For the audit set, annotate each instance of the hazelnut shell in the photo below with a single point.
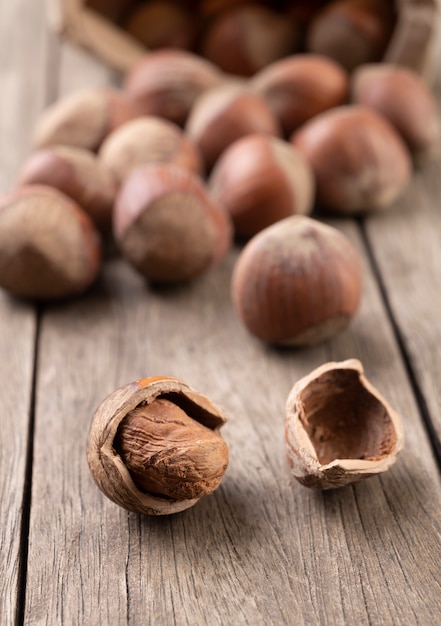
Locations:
(107, 467)
(339, 428)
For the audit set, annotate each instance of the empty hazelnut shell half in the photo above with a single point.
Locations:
(154, 446)
(339, 428)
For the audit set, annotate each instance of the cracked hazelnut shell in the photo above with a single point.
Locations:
(297, 282)
(154, 446)
(339, 428)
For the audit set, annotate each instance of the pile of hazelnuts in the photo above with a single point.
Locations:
(187, 157)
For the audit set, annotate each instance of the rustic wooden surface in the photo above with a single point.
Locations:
(262, 549)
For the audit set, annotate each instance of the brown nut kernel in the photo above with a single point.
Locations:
(360, 162)
(224, 114)
(297, 282)
(148, 140)
(78, 174)
(352, 32)
(83, 118)
(244, 39)
(166, 83)
(401, 96)
(154, 446)
(161, 24)
(339, 428)
(300, 87)
(167, 226)
(260, 180)
(49, 247)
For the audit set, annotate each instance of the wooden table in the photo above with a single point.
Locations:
(262, 549)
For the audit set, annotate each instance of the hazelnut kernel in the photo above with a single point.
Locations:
(154, 446)
(297, 282)
(360, 162)
(224, 114)
(167, 226)
(260, 180)
(78, 174)
(300, 87)
(166, 83)
(49, 247)
(83, 118)
(148, 140)
(339, 428)
(400, 95)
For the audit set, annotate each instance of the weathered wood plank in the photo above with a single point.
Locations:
(262, 549)
(22, 38)
(406, 244)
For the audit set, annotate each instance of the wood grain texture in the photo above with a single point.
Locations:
(23, 93)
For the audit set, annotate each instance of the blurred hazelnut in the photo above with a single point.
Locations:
(300, 87)
(83, 118)
(260, 180)
(166, 83)
(297, 282)
(244, 39)
(360, 162)
(352, 32)
(78, 174)
(162, 24)
(167, 226)
(49, 247)
(401, 96)
(148, 140)
(224, 114)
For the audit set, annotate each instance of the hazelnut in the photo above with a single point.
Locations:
(166, 83)
(167, 226)
(161, 24)
(352, 32)
(148, 140)
(83, 118)
(339, 428)
(260, 180)
(154, 446)
(244, 39)
(224, 114)
(297, 282)
(78, 174)
(49, 247)
(300, 87)
(360, 162)
(401, 96)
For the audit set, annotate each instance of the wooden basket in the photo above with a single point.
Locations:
(415, 42)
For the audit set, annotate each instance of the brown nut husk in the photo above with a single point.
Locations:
(339, 428)
(184, 455)
(49, 247)
(83, 118)
(78, 174)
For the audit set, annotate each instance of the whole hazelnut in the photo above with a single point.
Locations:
(49, 247)
(224, 114)
(154, 446)
(401, 96)
(360, 162)
(161, 24)
(339, 428)
(83, 118)
(244, 39)
(166, 83)
(167, 226)
(260, 180)
(148, 140)
(300, 87)
(298, 282)
(352, 32)
(78, 174)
